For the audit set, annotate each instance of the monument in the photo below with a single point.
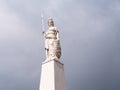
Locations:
(52, 71)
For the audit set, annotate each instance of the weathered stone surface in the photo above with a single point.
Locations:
(52, 42)
(52, 76)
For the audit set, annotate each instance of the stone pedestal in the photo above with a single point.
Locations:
(52, 76)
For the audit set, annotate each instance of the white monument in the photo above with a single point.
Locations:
(52, 72)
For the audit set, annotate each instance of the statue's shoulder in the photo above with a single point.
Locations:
(53, 29)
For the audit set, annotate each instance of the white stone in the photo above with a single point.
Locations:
(52, 76)
(52, 42)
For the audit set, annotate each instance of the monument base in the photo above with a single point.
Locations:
(52, 76)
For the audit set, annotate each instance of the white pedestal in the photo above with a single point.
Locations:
(52, 76)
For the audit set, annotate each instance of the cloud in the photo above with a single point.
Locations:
(90, 39)
(17, 44)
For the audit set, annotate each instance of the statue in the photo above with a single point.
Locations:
(52, 42)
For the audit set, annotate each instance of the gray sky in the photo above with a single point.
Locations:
(90, 40)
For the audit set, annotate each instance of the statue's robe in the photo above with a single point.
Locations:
(52, 43)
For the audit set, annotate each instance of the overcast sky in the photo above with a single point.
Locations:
(90, 40)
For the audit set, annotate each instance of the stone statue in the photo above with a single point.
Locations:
(52, 42)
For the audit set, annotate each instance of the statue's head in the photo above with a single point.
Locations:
(50, 22)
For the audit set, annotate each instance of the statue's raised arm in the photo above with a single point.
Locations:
(52, 42)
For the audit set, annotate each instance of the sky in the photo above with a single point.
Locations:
(89, 35)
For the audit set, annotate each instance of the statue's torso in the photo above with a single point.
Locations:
(53, 43)
(51, 33)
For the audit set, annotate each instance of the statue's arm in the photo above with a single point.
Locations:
(44, 33)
